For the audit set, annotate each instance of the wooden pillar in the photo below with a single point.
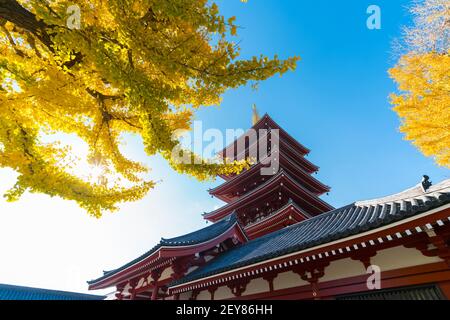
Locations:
(212, 292)
(156, 274)
(133, 284)
(269, 278)
(155, 291)
(194, 295)
(315, 289)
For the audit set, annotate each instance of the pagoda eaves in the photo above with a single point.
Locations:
(281, 180)
(226, 190)
(288, 215)
(266, 123)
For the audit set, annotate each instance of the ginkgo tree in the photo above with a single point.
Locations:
(423, 77)
(133, 66)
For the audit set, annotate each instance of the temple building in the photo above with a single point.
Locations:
(275, 238)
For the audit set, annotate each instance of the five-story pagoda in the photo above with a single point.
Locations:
(278, 190)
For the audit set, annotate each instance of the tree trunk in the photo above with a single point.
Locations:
(12, 11)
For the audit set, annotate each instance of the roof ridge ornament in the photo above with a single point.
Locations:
(426, 183)
(255, 116)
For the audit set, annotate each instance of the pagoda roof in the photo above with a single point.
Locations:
(289, 212)
(267, 118)
(260, 125)
(11, 292)
(285, 148)
(335, 225)
(274, 181)
(229, 184)
(178, 246)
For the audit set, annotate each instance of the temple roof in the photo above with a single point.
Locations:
(188, 240)
(10, 292)
(334, 225)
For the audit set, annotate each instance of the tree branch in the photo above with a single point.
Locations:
(13, 12)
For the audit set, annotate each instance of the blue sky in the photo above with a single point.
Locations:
(335, 103)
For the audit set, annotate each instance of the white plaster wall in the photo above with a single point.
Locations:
(256, 286)
(288, 280)
(401, 257)
(343, 268)
(186, 295)
(166, 274)
(204, 295)
(223, 293)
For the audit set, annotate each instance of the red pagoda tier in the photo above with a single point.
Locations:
(266, 203)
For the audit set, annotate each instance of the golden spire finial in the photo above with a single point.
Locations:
(255, 116)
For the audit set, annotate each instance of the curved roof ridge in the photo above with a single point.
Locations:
(413, 192)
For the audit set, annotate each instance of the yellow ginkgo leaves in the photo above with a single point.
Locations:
(423, 78)
(133, 66)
